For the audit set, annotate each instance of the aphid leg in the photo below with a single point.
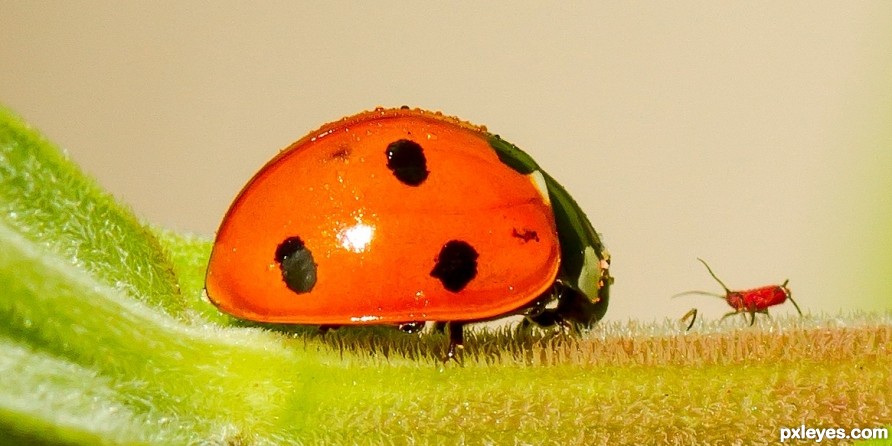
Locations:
(753, 312)
(790, 296)
(456, 342)
(732, 313)
(690, 314)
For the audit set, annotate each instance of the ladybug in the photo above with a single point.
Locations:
(401, 216)
(756, 300)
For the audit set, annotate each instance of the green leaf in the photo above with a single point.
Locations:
(48, 200)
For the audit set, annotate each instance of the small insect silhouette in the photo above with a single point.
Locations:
(756, 300)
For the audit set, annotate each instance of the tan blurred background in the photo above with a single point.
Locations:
(757, 135)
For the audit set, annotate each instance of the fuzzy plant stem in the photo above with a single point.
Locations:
(105, 338)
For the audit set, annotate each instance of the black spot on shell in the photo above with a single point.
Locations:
(456, 265)
(406, 160)
(297, 265)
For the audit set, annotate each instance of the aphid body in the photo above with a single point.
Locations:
(752, 301)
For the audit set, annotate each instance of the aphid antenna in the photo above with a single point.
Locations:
(713, 275)
(701, 293)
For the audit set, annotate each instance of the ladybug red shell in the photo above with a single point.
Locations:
(403, 215)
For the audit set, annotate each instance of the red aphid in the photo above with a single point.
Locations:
(756, 300)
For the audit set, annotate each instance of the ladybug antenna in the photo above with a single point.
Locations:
(790, 296)
(713, 275)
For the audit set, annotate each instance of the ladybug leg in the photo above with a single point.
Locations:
(575, 309)
(456, 342)
(568, 327)
(411, 327)
(538, 312)
(440, 327)
(524, 328)
(324, 329)
(540, 305)
(546, 319)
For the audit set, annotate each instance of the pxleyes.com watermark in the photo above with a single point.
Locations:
(818, 435)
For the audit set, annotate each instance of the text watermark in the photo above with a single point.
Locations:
(820, 434)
